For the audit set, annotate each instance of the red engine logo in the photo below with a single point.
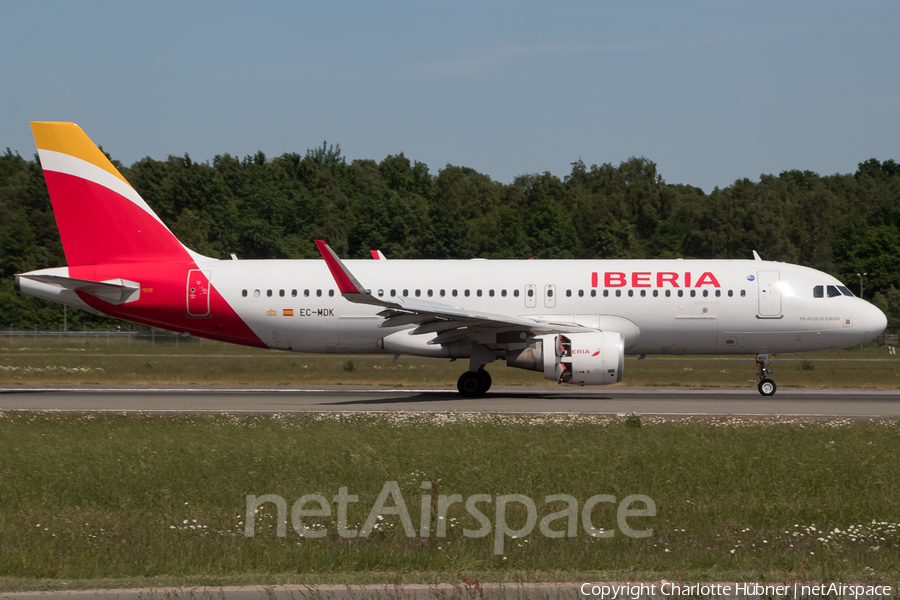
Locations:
(585, 351)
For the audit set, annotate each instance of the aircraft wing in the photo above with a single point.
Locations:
(451, 323)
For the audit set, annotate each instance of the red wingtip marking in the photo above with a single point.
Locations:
(374, 254)
(345, 285)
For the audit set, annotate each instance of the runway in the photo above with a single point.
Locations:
(649, 401)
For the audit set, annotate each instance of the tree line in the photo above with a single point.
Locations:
(257, 207)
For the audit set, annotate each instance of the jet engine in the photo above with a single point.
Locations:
(596, 358)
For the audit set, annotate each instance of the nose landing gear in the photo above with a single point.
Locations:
(766, 386)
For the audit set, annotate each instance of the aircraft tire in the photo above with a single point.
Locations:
(470, 385)
(485, 379)
(767, 387)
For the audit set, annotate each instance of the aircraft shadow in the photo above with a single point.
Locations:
(428, 397)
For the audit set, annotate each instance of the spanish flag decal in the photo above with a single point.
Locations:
(287, 312)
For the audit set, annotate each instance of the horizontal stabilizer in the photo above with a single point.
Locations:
(114, 291)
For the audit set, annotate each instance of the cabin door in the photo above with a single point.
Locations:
(198, 293)
(769, 293)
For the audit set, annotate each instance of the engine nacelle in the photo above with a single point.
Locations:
(584, 358)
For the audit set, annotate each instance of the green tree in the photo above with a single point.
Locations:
(878, 255)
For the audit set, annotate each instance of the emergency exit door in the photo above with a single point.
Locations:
(530, 296)
(198, 293)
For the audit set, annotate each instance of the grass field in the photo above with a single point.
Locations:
(112, 359)
(104, 500)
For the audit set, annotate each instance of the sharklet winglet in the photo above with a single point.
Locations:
(349, 286)
(345, 280)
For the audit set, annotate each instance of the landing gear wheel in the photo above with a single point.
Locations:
(470, 385)
(767, 387)
(486, 381)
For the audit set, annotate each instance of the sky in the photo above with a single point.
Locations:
(709, 91)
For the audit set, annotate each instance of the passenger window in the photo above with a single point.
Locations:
(668, 293)
(819, 291)
(281, 293)
(256, 293)
(430, 293)
(306, 293)
(693, 293)
(705, 293)
(581, 293)
(405, 293)
(516, 293)
(743, 293)
(593, 293)
(530, 293)
(269, 293)
(319, 293)
(618, 293)
(680, 293)
(833, 291)
(605, 293)
(718, 293)
(244, 293)
(293, 293)
(655, 293)
(630, 293)
(643, 293)
(418, 293)
(568, 293)
(393, 293)
(455, 293)
(443, 293)
(491, 293)
(331, 293)
(730, 293)
(549, 293)
(478, 293)
(503, 293)
(466, 293)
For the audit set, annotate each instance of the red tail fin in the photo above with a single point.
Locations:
(101, 218)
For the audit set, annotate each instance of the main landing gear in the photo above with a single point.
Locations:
(476, 381)
(766, 386)
(472, 384)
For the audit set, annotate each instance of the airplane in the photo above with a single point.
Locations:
(572, 320)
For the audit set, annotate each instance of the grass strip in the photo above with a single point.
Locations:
(102, 358)
(89, 497)
(283, 369)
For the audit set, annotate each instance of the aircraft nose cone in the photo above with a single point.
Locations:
(876, 322)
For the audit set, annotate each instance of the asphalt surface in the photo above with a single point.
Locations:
(662, 401)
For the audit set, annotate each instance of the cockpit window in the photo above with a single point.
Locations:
(819, 291)
(833, 291)
(845, 291)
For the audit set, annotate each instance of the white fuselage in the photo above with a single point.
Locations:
(660, 306)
